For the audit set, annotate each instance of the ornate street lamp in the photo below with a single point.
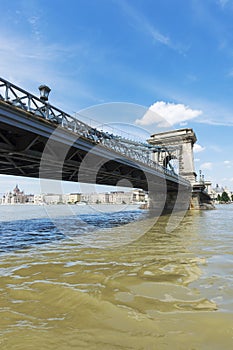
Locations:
(44, 92)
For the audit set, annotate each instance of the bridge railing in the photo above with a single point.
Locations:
(20, 98)
(139, 151)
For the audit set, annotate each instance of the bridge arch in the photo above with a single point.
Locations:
(176, 144)
(171, 162)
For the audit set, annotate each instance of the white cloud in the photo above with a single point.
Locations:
(222, 3)
(141, 23)
(168, 113)
(230, 73)
(197, 160)
(227, 163)
(215, 148)
(35, 25)
(206, 166)
(29, 66)
(198, 148)
(192, 78)
(29, 60)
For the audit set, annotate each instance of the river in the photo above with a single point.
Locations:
(114, 279)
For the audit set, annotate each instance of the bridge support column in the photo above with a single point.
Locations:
(197, 199)
(170, 202)
(200, 199)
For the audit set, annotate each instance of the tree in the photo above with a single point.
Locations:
(219, 198)
(225, 198)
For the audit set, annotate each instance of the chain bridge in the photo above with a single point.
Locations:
(41, 141)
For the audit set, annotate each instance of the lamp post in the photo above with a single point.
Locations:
(44, 92)
(200, 175)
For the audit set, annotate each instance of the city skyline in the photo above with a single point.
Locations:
(18, 196)
(137, 52)
(116, 196)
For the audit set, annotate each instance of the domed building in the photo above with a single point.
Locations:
(218, 191)
(14, 197)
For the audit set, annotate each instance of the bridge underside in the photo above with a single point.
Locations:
(21, 155)
(33, 147)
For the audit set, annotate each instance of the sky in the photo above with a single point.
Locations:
(172, 57)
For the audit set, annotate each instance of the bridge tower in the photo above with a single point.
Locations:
(176, 145)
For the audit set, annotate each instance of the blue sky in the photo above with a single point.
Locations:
(170, 56)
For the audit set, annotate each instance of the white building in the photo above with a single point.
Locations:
(38, 199)
(74, 198)
(115, 197)
(51, 198)
(29, 198)
(14, 197)
(94, 198)
(218, 191)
